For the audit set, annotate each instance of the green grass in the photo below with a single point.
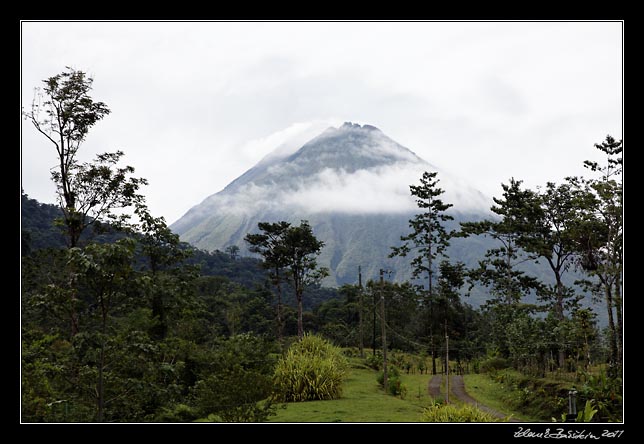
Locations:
(417, 385)
(492, 394)
(363, 400)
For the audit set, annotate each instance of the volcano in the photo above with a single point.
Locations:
(352, 184)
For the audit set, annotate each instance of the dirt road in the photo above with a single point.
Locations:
(434, 386)
(457, 389)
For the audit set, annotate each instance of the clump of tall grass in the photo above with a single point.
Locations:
(453, 413)
(311, 369)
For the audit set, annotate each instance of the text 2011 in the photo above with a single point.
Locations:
(612, 433)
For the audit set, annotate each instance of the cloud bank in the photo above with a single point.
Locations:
(381, 190)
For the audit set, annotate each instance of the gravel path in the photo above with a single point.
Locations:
(457, 388)
(434, 386)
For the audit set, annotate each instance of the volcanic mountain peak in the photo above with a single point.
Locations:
(366, 143)
(348, 149)
(351, 182)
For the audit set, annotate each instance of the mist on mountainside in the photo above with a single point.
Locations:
(352, 184)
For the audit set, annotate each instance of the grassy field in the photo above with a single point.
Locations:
(492, 394)
(362, 401)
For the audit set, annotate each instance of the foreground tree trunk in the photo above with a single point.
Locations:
(612, 336)
(559, 313)
(280, 322)
(617, 301)
(300, 324)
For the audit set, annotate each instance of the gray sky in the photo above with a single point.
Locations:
(194, 105)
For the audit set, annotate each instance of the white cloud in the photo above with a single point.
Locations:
(380, 190)
(284, 142)
(194, 105)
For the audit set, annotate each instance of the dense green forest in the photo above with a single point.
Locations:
(122, 322)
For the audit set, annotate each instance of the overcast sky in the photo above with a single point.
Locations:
(194, 105)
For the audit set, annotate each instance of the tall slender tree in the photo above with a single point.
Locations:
(64, 112)
(301, 248)
(270, 244)
(543, 224)
(289, 252)
(554, 241)
(499, 271)
(599, 237)
(428, 240)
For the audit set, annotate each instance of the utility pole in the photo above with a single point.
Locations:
(373, 336)
(429, 287)
(360, 343)
(447, 363)
(384, 330)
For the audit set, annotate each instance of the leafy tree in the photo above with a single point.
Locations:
(270, 244)
(64, 112)
(301, 248)
(402, 313)
(448, 307)
(227, 308)
(337, 319)
(162, 249)
(428, 238)
(528, 339)
(543, 225)
(599, 237)
(293, 249)
(451, 279)
(105, 273)
(583, 334)
(553, 240)
(233, 251)
(236, 382)
(45, 295)
(499, 271)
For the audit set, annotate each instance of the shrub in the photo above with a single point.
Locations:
(233, 387)
(421, 363)
(585, 415)
(177, 413)
(392, 372)
(351, 352)
(311, 369)
(476, 366)
(493, 363)
(452, 413)
(374, 360)
(397, 388)
(397, 358)
(394, 385)
(607, 393)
